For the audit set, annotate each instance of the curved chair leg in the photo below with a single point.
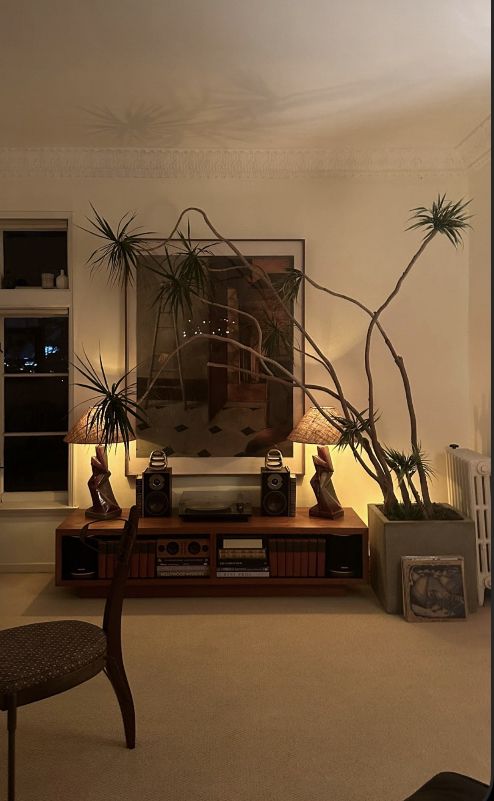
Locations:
(116, 673)
(11, 726)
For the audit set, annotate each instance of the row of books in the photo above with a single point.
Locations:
(293, 557)
(242, 558)
(182, 567)
(142, 561)
(237, 558)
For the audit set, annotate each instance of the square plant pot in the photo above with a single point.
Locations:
(389, 540)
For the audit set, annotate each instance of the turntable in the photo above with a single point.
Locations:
(214, 506)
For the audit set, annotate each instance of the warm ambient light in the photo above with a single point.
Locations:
(105, 505)
(314, 429)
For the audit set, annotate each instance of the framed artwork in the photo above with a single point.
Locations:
(212, 406)
(433, 588)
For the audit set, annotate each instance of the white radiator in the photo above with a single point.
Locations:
(468, 477)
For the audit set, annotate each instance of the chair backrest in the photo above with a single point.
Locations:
(112, 615)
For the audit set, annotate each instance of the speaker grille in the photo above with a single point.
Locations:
(156, 504)
(275, 503)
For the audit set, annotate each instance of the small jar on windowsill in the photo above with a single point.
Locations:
(61, 280)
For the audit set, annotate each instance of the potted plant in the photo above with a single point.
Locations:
(405, 520)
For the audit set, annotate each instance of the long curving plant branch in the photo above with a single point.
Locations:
(184, 278)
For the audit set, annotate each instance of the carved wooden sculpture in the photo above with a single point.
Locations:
(104, 505)
(321, 482)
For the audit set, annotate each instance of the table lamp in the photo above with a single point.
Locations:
(105, 506)
(314, 429)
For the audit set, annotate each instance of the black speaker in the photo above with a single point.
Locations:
(157, 492)
(275, 492)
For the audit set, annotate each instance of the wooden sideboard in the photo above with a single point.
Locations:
(341, 543)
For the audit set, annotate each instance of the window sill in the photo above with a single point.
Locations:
(36, 507)
(27, 296)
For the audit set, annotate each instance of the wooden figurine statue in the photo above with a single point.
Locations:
(327, 502)
(104, 505)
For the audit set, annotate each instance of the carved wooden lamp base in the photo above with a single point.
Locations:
(327, 502)
(105, 506)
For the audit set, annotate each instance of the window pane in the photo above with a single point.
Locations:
(27, 254)
(36, 344)
(36, 404)
(35, 464)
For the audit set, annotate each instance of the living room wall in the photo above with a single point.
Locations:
(479, 307)
(354, 227)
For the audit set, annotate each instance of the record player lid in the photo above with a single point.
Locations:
(206, 501)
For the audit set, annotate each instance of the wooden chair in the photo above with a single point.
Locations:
(42, 659)
(450, 786)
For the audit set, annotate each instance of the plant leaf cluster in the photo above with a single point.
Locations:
(122, 247)
(111, 415)
(184, 275)
(445, 217)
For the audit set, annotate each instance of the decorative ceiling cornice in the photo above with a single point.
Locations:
(475, 149)
(198, 163)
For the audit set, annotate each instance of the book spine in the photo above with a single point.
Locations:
(281, 557)
(245, 542)
(151, 559)
(289, 558)
(311, 547)
(242, 553)
(297, 558)
(245, 563)
(241, 569)
(244, 574)
(182, 573)
(304, 558)
(273, 556)
(183, 562)
(321, 557)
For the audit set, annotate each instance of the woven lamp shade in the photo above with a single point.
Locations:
(314, 429)
(80, 434)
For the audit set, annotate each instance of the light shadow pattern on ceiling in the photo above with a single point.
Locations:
(227, 117)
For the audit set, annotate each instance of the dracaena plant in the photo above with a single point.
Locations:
(184, 279)
(113, 409)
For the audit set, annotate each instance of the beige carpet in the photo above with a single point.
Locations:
(265, 699)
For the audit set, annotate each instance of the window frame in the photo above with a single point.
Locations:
(36, 302)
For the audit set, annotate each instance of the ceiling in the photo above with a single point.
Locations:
(243, 74)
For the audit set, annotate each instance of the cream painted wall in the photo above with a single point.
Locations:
(355, 243)
(479, 307)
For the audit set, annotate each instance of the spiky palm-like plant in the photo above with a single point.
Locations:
(113, 409)
(358, 430)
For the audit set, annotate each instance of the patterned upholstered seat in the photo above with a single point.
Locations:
(40, 652)
(39, 660)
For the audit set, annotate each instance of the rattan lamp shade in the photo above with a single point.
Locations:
(314, 429)
(81, 434)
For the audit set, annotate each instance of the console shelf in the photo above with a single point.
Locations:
(341, 541)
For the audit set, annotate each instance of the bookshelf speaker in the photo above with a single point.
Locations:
(157, 492)
(276, 491)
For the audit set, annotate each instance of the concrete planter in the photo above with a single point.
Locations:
(389, 540)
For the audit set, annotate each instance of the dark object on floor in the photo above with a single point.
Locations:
(450, 787)
(43, 659)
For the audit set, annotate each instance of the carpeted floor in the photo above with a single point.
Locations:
(257, 699)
